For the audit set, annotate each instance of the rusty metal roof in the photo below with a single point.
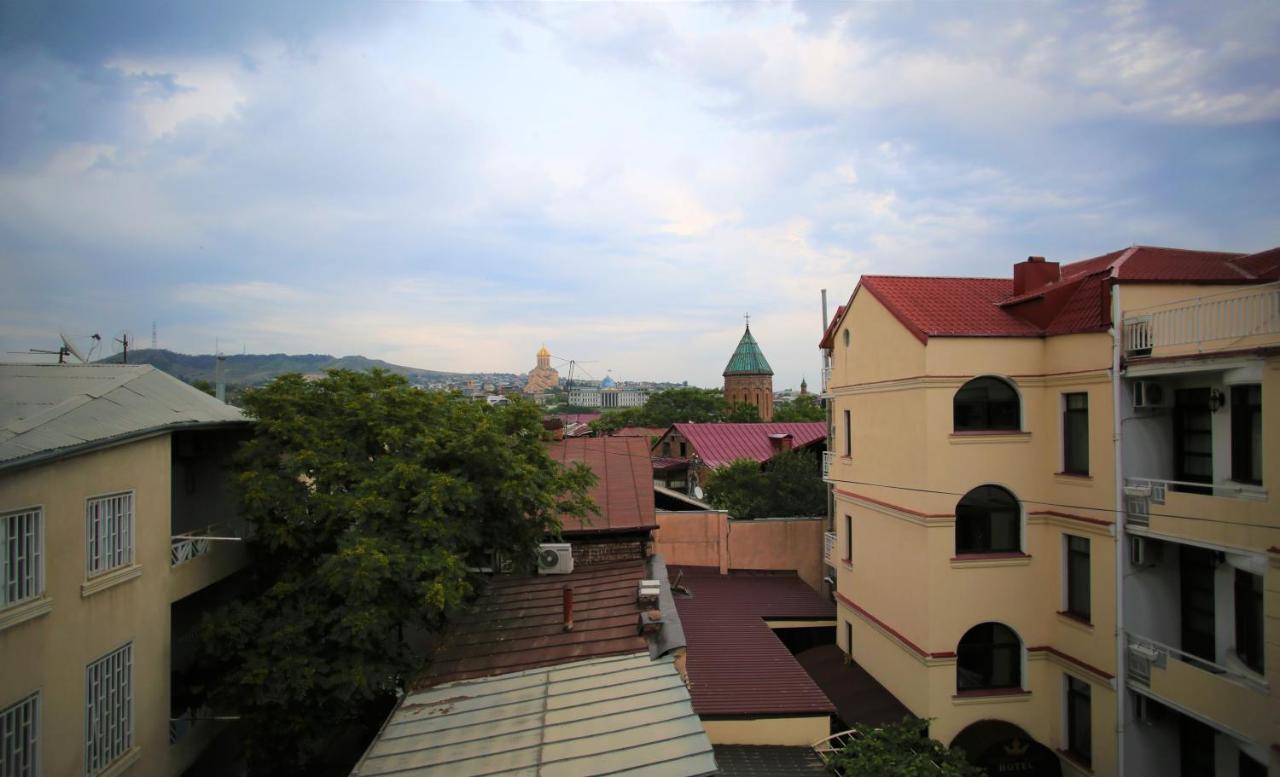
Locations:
(717, 444)
(624, 483)
(619, 715)
(518, 623)
(737, 666)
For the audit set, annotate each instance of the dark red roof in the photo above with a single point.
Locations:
(518, 623)
(828, 337)
(719, 444)
(737, 666)
(578, 418)
(624, 483)
(644, 432)
(1077, 302)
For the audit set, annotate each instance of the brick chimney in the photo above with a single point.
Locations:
(1033, 274)
(780, 442)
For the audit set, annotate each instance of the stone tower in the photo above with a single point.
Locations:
(748, 377)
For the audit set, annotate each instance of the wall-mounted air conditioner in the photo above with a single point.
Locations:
(1149, 394)
(554, 558)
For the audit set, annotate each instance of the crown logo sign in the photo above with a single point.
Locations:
(1016, 748)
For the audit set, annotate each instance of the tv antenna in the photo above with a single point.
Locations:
(124, 341)
(575, 364)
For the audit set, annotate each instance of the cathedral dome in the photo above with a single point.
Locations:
(608, 382)
(543, 351)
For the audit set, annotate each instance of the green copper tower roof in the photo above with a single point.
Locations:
(747, 358)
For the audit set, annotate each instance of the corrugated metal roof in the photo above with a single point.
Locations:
(747, 358)
(518, 623)
(718, 444)
(624, 483)
(768, 761)
(621, 715)
(737, 666)
(48, 409)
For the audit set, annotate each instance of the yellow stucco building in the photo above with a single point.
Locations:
(1003, 451)
(112, 486)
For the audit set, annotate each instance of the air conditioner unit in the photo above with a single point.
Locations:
(1148, 394)
(1145, 652)
(1144, 553)
(554, 558)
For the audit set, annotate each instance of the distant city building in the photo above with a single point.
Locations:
(748, 378)
(544, 377)
(608, 395)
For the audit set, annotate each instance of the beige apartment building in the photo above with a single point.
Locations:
(113, 503)
(1004, 450)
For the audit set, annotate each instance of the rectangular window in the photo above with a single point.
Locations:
(19, 738)
(1246, 434)
(108, 709)
(684, 450)
(1079, 720)
(1075, 433)
(848, 434)
(109, 530)
(21, 556)
(848, 638)
(1249, 620)
(1077, 576)
(1193, 439)
(848, 538)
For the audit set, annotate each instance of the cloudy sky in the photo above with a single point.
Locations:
(448, 186)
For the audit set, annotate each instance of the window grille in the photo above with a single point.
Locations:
(110, 532)
(19, 736)
(21, 556)
(109, 709)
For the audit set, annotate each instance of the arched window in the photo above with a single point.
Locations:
(986, 404)
(989, 656)
(988, 520)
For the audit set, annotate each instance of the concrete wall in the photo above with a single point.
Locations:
(712, 539)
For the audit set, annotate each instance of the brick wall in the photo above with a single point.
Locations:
(753, 390)
(600, 550)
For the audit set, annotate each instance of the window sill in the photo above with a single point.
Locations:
(1073, 478)
(25, 611)
(982, 438)
(847, 563)
(122, 764)
(109, 580)
(991, 696)
(969, 560)
(1076, 761)
(1071, 619)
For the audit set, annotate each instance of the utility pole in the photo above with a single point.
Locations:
(124, 341)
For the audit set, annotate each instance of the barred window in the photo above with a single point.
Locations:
(109, 528)
(21, 556)
(108, 709)
(19, 736)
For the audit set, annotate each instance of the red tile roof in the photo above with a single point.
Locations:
(719, 444)
(624, 483)
(1078, 302)
(518, 623)
(737, 666)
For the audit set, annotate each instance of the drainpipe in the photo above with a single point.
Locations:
(1117, 393)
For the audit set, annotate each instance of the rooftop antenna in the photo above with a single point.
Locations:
(62, 353)
(153, 334)
(123, 339)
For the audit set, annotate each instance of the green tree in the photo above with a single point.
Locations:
(675, 406)
(205, 386)
(805, 407)
(901, 750)
(367, 500)
(786, 485)
(742, 413)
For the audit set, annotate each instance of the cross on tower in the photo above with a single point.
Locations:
(748, 317)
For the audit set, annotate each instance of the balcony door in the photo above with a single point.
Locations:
(1197, 566)
(1193, 438)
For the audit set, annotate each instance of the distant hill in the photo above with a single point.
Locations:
(252, 369)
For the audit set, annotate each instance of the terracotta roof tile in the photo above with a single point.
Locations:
(719, 444)
(624, 482)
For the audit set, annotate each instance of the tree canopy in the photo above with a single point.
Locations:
(901, 750)
(366, 501)
(674, 406)
(804, 407)
(789, 484)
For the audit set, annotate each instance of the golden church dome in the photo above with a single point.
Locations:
(543, 351)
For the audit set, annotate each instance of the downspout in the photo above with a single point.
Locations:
(1117, 344)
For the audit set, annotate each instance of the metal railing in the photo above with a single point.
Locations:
(1146, 654)
(1239, 314)
(1156, 490)
(194, 544)
(827, 458)
(829, 548)
(826, 379)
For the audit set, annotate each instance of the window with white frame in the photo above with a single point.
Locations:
(109, 532)
(108, 709)
(19, 737)
(21, 556)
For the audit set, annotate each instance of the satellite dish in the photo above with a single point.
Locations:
(697, 492)
(71, 348)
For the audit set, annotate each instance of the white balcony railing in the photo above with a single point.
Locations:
(1235, 315)
(827, 458)
(1140, 493)
(194, 544)
(826, 379)
(828, 548)
(1145, 655)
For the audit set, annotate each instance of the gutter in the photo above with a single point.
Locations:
(35, 459)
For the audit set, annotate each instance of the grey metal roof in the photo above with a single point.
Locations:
(768, 761)
(623, 715)
(49, 410)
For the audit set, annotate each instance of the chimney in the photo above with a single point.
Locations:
(780, 442)
(555, 426)
(1033, 274)
(568, 608)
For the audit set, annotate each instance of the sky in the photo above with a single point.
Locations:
(449, 186)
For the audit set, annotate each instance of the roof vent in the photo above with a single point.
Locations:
(1033, 274)
(650, 622)
(781, 442)
(648, 592)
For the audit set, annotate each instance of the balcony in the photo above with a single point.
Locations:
(826, 379)
(1180, 508)
(827, 458)
(202, 557)
(1232, 700)
(829, 548)
(1214, 323)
